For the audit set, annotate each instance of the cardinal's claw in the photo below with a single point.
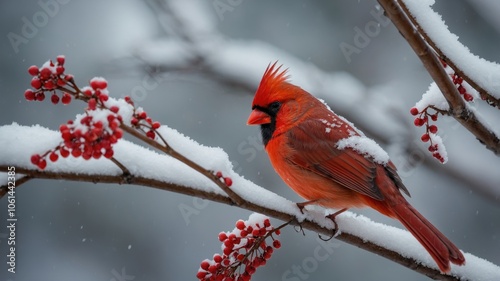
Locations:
(302, 205)
(336, 226)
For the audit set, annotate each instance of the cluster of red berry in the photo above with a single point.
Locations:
(92, 134)
(457, 80)
(47, 79)
(430, 130)
(244, 250)
(142, 121)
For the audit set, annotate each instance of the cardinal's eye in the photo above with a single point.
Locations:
(274, 107)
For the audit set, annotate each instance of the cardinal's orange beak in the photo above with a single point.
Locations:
(258, 117)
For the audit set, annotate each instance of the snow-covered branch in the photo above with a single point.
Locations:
(155, 170)
(457, 107)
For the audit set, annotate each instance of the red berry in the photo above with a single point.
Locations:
(87, 92)
(49, 85)
(39, 96)
(54, 99)
(217, 258)
(201, 275)
(36, 83)
(109, 153)
(35, 158)
(64, 152)
(468, 97)
(118, 133)
(156, 125)
(205, 265)
(142, 115)
(60, 59)
(227, 251)
(60, 82)
(53, 157)
(222, 236)
(42, 164)
(240, 224)
(432, 148)
(240, 257)
(434, 117)
(68, 77)
(59, 70)
(212, 268)
(103, 97)
(29, 95)
(414, 111)
(419, 122)
(461, 89)
(276, 244)
(114, 109)
(66, 98)
(228, 181)
(433, 129)
(92, 104)
(76, 152)
(66, 135)
(151, 134)
(33, 70)
(425, 137)
(218, 174)
(45, 73)
(250, 269)
(98, 83)
(97, 154)
(129, 100)
(267, 223)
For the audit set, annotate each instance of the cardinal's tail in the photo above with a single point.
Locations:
(442, 250)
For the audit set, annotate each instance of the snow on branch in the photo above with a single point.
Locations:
(430, 24)
(157, 170)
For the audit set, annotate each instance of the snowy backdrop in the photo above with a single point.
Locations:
(195, 67)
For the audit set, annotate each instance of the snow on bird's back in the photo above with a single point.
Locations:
(365, 146)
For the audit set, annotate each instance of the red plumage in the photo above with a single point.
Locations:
(300, 134)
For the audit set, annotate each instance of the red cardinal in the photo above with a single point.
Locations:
(301, 136)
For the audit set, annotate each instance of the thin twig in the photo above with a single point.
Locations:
(266, 210)
(458, 108)
(173, 153)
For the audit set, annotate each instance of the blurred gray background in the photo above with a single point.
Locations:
(79, 231)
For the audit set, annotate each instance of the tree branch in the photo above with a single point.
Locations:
(283, 216)
(458, 108)
(485, 95)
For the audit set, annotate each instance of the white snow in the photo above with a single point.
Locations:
(20, 142)
(365, 146)
(432, 96)
(441, 149)
(485, 73)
